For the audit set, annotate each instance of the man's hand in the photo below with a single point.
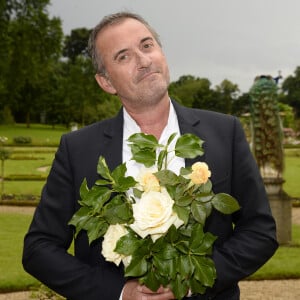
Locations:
(134, 291)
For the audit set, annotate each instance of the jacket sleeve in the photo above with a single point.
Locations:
(45, 254)
(253, 240)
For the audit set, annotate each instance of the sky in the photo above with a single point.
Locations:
(215, 39)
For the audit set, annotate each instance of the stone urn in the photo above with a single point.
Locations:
(281, 207)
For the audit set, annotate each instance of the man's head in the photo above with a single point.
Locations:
(129, 60)
(107, 21)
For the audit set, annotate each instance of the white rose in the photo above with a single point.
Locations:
(147, 180)
(112, 235)
(154, 214)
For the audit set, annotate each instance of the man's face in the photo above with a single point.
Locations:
(135, 65)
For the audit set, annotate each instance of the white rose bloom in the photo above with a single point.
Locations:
(154, 214)
(112, 235)
(147, 180)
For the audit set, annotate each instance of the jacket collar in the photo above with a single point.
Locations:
(113, 134)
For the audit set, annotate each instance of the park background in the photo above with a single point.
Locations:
(47, 88)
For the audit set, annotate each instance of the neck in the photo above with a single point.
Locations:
(152, 120)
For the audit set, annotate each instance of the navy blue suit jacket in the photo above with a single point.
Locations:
(237, 252)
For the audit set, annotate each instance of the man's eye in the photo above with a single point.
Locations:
(148, 45)
(123, 58)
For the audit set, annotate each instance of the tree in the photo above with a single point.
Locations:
(76, 43)
(35, 41)
(291, 90)
(228, 94)
(187, 87)
(6, 7)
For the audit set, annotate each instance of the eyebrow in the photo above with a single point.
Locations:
(125, 49)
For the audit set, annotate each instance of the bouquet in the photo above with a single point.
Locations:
(154, 224)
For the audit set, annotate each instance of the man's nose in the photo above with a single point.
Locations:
(143, 60)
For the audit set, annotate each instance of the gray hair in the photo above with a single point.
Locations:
(109, 20)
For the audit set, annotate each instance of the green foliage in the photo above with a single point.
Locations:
(267, 131)
(22, 140)
(76, 43)
(291, 91)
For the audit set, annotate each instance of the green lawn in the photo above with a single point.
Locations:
(40, 134)
(291, 176)
(12, 230)
(13, 226)
(286, 261)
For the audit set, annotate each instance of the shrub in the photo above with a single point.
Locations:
(22, 140)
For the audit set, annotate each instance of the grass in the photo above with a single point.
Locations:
(12, 230)
(13, 226)
(285, 264)
(23, 187)
(291, 176)
(40, 134)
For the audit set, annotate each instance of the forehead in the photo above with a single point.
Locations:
(121, 35)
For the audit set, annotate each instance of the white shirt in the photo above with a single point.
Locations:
(131, 127)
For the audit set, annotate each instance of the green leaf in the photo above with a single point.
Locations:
(182, 212)
(102, 168)
(185, 267)
(188, 146)
(118, 211)
(96, 197)
(137, 267)
(179, 287)
(206, 245)
(225, 203)
(183, 247)
(95, 228)
(151, 281)
(102, 182)
(199, 212)
(167, 252)
(167, 177)
(208, 207)
(172, 235)
(206, 187)
(161, 159)
(147, 157)
(143, 140)
(80, 218)
(197, 236)
(196, 286)
(184, 200)
(137, 193)
(204, 197)
(171, 138)
(128, 244)
(83, 189)
(205, 271)
(165, 267)
(121, 182)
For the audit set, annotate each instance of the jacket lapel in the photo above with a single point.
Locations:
(189, 123)
(113, 141)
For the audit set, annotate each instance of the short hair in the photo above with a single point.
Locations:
(109, 20)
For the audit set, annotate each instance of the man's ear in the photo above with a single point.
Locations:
(105, 84)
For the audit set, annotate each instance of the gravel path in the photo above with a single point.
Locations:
(250, 290)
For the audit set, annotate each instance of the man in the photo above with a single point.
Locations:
(130, 63)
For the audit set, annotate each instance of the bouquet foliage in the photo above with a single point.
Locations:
(154, 224)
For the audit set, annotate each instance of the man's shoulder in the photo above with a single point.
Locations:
(93, 131)
(202, 113)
